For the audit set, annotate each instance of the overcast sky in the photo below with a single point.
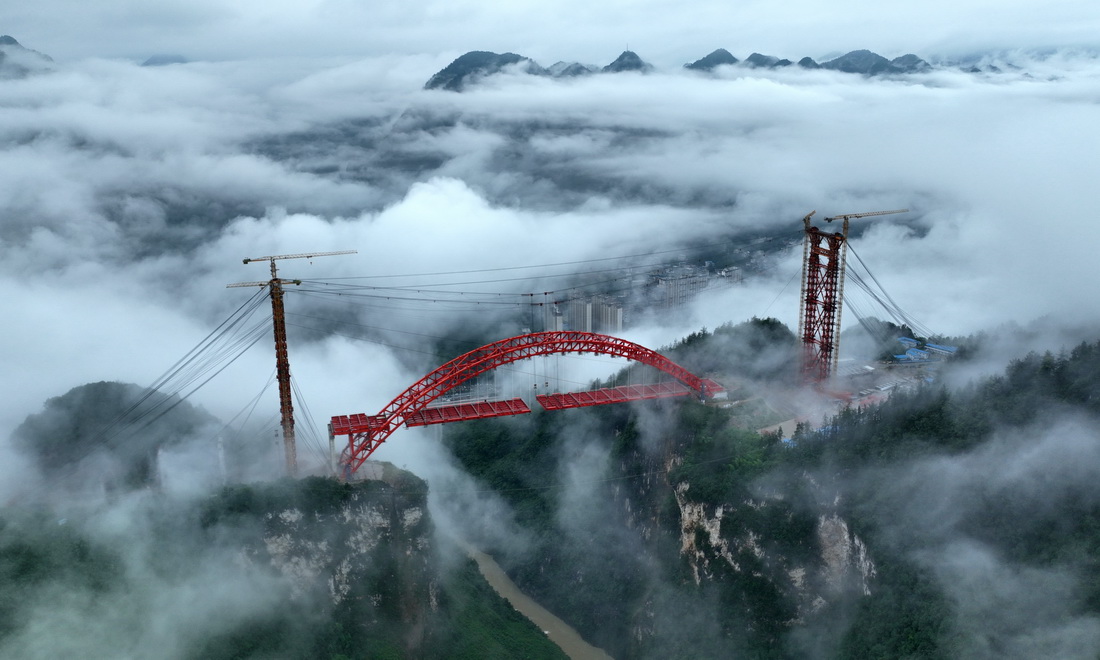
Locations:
(129, 195)
(668, 34)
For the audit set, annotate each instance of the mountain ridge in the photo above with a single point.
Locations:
(473, 66)
(18, 61)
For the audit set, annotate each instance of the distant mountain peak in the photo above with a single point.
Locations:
(868, 63)
(477, 64)
(164, 60)
(17, 61)
(571, 69)
(910, 63)
(628, 61)
(766, 61)
(715, 59)
(860, 61)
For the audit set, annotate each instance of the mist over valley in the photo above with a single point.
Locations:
(646, 190)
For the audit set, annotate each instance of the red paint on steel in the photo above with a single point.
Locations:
(461, 412)
(620, 394)
(822, 276)
(367, 432)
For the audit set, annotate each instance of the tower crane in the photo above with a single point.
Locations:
(852, 216)
(282, 361)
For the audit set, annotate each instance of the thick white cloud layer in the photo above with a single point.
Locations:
(130, 196)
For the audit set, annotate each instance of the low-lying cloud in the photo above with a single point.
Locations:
(972, 520)
(135, 192)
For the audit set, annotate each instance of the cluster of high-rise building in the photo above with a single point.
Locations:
(602, 314)
(667, 288)
(677, 285)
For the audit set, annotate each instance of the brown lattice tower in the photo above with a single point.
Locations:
(282, 360)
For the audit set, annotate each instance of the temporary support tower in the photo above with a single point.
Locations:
(822, 295)
(282, 360)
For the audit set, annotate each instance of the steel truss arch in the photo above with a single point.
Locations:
(370, 432)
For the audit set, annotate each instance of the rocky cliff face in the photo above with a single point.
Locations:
(289, 569)
(362, 560)
(839, 567)
(681, 536)
(844, 557)
(827, 566)
(339, 547)
(361, 552)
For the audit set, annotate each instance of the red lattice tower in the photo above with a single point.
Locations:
(821, 299)
(822, 295)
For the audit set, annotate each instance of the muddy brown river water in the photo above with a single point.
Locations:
(557, 630)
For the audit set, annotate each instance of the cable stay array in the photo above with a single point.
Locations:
(503, 290)
(413, 301)
(443, 292)
(437, 294)
(420, 296)
(231, 339)
(307, 433)
(866, 282)
(678, 250)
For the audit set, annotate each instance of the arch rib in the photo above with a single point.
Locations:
(367, 433)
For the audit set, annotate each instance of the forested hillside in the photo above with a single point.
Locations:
(289, 569)
(939, 523)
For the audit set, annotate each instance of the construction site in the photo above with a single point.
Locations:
(468, 387)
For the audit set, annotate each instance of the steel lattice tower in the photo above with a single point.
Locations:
(822, 295)
(821, 299)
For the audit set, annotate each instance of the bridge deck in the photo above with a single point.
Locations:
(612, 395)
(346, 424)
(460, 412)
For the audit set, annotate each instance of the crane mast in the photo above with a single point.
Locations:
(282, 359)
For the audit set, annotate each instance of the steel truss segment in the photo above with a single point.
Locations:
(367, 433)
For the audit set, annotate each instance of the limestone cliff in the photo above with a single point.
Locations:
(362, 564)
(674, 528)
(839, 566)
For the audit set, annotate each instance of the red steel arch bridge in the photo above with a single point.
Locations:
(414, 406)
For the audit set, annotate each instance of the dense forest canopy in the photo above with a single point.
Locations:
(108, 434)
(977, 506)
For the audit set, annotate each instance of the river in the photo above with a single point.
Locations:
(558, 631)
